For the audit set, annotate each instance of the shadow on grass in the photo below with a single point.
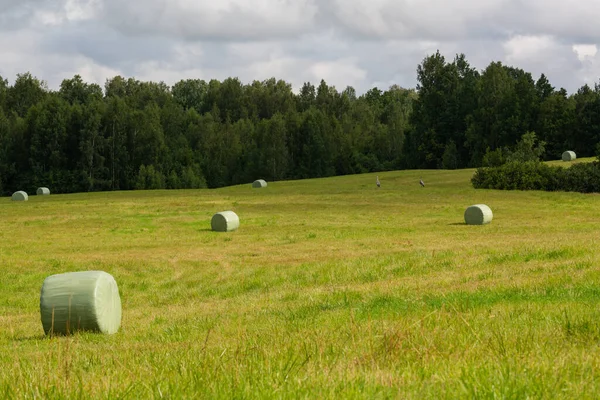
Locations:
(458, 223)
(32, 338)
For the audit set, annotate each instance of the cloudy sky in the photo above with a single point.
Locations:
(359, 43)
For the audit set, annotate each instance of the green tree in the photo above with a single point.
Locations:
(190, 93)
(116, 130)
(556, 122)
(25, 93)
(316, 160)
(507, 106)
(149, 178)
(76, 91)
(527, 149)
(450, 157)
(437, 115)
(273, 152)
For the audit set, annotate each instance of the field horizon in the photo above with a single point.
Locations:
(330, 288)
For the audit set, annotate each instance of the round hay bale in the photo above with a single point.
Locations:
(569, 156)
(19, 196)
(225, 221)
(478, 214)
(80, 301)
(42, 191)
(259, 183)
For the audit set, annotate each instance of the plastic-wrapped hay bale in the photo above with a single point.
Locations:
(19, 196)
(478, 214)
(80, 301)
(225, 221)
(42, 191)
(569, 156)
(259, 183)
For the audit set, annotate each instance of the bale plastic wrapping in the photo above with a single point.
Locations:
(80, 301)
(259, 183)
(19, 196)
(225, 221)
(42, 191)
(569, 156)
(478, 214)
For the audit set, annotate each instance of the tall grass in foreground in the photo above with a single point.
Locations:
(330, 288)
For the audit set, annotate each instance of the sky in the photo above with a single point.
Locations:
(358, 43)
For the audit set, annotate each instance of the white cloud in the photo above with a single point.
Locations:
(520, 48)
(585, 51)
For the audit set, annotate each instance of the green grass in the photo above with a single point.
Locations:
(331, 288)
(561, 163)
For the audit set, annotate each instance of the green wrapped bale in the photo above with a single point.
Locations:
(80, 301)
(478, 214)
(42, 191)
(259, 183)
(569, 156)
(225, 221)
(19, 196)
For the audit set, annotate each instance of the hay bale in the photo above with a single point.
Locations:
(19, 196)
(42, 191)
(259, 183)
(478, 214)
(80, 301)
(225, 221)
(569, 156)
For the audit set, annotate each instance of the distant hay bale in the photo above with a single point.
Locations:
(80, 301)
(42, 191)
(478, 214)
(569, 156)
(259, 183)
(225, 221)
(19, 196)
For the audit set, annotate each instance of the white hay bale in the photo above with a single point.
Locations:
(80, 301)
(42, 191)
(569, 156)
(19, 196)
(225, 221)
(259, 183)
(478, 214)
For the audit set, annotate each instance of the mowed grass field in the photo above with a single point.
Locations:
(331, 288)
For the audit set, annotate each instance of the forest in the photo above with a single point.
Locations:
(131, 134)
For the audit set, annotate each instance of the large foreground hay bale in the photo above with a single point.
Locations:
(19, 196)
(569, 156)
(42, 191)
(225, 221)
(80, 301)
(478, 214)
(259, 183)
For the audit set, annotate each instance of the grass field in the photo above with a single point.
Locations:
(331, 288)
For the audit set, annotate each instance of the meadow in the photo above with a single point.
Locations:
(331, 288)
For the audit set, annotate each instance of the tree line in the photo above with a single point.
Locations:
(466, 118)
(146, 135)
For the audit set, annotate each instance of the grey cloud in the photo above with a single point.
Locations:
(14, 14)
(369, 42)
(106, 46)
(203, 20)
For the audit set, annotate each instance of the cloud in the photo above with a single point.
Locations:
(359, 43)
(585, 51)
(211, 20)
(412, 19)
